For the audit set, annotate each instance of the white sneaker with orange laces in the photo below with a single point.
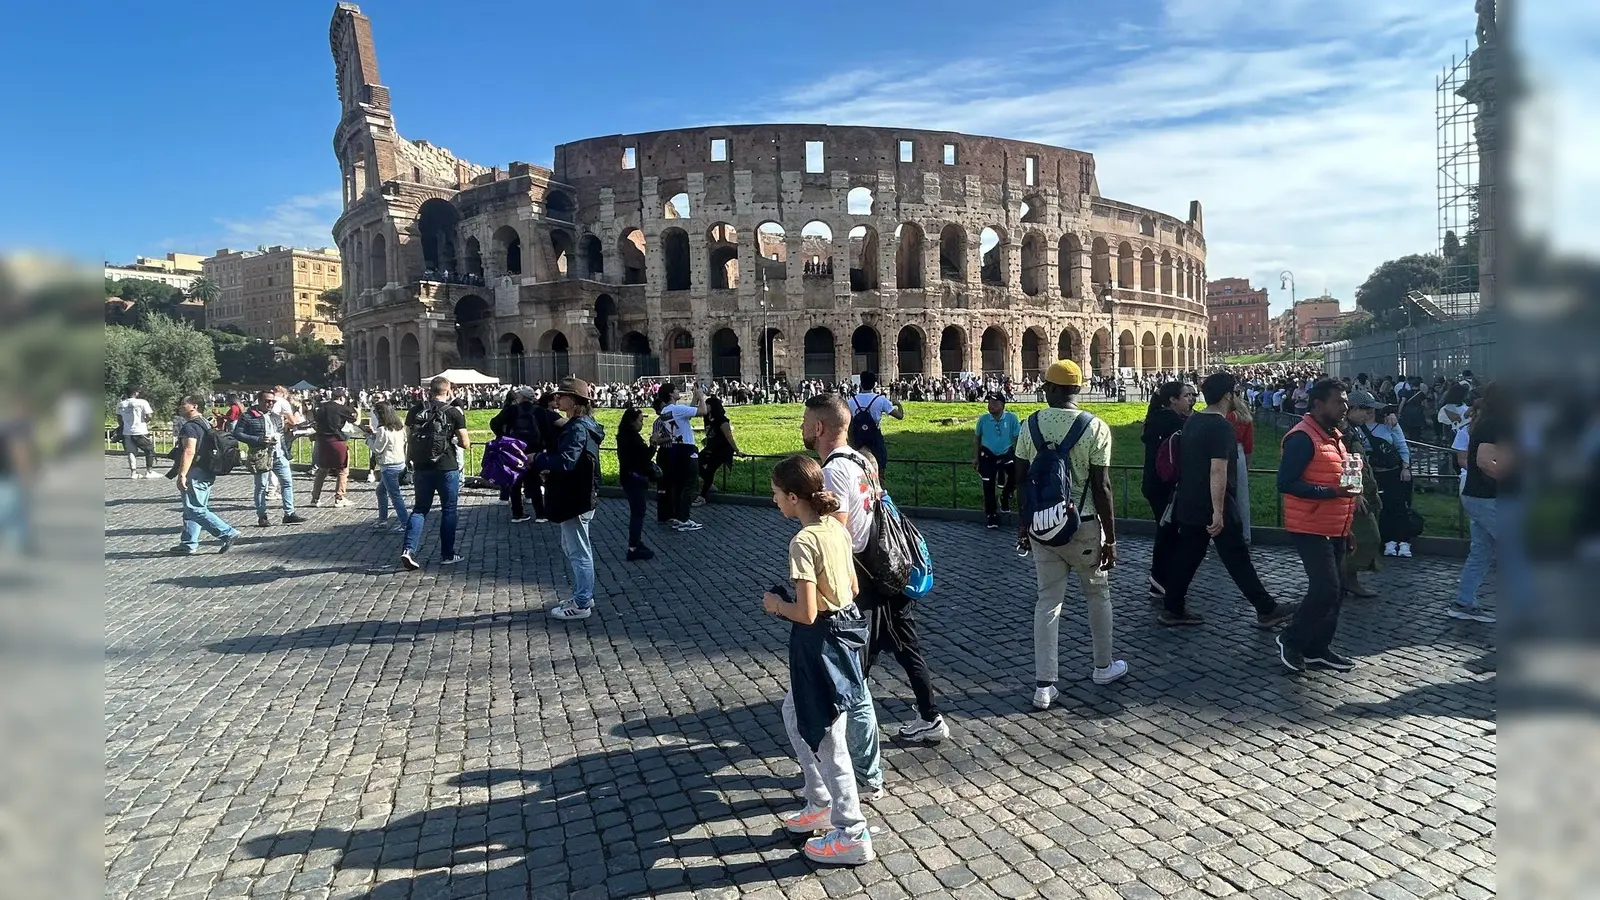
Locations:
(809, 820)
(838, 847)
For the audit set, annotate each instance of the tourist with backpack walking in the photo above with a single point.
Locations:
(386, 447)
(435, 431)
(826, 635)
(135, 415)
(1205, 509)
(520, 420)
(867, 409)
(1063, 459)
(574, 491)
(1320, 486)
(1171, 403)
(199, 456)
(994, 456)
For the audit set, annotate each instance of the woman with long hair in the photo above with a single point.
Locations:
(720, 448)
(635, 470)
(1491, 473)
(1170, 404)
(386, 444)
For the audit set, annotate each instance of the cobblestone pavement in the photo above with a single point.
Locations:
(298, 718)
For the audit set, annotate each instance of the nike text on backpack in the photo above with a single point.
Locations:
(1052, 516)
(505, 459)
(218, 452)
(1167, 459)
(865, 434)
(896, 557)
(430, 436)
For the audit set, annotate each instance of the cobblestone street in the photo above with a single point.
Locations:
(300, 718)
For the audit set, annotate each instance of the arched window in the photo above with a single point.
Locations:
(772, 246)
(858, 202)
(863, 253)
(722, 258)
(992, 247)
(1034, 265)
(378, 262)
(676, 207)
(594, 256)
(908, 256)
(952, 253)
(675, 258)
(995, 347)
(816, 245)
(508, 250)
(631, 249)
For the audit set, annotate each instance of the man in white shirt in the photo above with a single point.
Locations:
(681, 460)
(135, 413)
(867, 409)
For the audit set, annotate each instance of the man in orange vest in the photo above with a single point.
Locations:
(1318, 510)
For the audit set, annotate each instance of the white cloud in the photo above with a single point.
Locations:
(304, 220)
(1307, 133)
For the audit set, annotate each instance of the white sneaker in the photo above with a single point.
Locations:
(567, 612)
(458, 558)
(1117, 669)
(134, 476)
(540, 521)
(1389, 549)
(840, 848)
(1469, 613)
(926, 732)
(342, 503)
(1044, 696)
(688, 525)
(1405, 550)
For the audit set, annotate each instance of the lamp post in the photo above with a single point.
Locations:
(1103, 290)
(764, 348)
(1286, 279)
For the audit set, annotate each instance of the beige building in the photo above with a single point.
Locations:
(177, 269)
(273, 293)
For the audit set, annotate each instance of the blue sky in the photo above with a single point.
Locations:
(1305, 128)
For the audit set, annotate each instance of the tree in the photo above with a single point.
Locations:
(165, 360)
(330, 304)
(205, 289)
(1384, 292)
(149, 298)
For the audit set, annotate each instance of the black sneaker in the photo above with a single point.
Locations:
(994, 522)
(294, 519)
(1328, 659)
(227, 542)
(263, 522)
(1280, 615)
(1171, 619)
(640, 554)
(181, 550)
(1293, 660)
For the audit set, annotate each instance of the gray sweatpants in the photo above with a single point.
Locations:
(830, 780)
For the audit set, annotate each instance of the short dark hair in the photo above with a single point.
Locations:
(438, 384)
(830, 411)
(194, 400)
(868, 380)
(1216, 386)
(1324, 389)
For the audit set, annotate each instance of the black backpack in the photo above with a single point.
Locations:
(865, 434)
(430, 435)
(1047, 496)
(218, 452)
(894, 547)
(1385, 456)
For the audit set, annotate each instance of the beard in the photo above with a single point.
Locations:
(809, 440)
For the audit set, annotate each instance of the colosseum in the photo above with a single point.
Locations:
(826, 250)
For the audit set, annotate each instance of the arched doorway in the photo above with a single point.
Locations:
(952, 350)
(774, 356)
(512, 359)
(910, 345)
(908, 256)
(1147, 352)
(594, 256)
(636, 344)
(820, 352)
(473, 318)
(410, 360)
(1126, 348)
(605, 322)
(680, 353)
(864, 349)
(675, 258)
(1031, 349)
(722, 257)
(1035, 271)
(862, 250)
(952, 253)
(382, 375)
(994, 347)
(436, 223)
(1100, 352)
(631, 248)
(1069, 345)
(554, 341)
(1168, 360)
(508, 250)
(725, 358)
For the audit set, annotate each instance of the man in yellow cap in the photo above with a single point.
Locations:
(1091, 550)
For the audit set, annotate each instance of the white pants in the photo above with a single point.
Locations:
(830, 780)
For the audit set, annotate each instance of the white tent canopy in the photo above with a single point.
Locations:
(464, 376)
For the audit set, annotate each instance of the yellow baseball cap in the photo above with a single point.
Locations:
(1064, 372)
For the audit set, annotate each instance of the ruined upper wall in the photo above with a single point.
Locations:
(424, 163)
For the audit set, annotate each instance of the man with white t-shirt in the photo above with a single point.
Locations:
(135, 413)
(867, 409)
(680, 459)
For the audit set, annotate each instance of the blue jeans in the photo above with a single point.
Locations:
(197, 512)
(428, 482)
(16, 527)
(389, 492)
(1485, 537)
(861, 737)
(580, 556)
(280, 470)
(1516, 578)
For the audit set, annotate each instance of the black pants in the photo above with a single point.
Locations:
(675, 491)
(996, 470)
(666, 506)
(530, 486)
(1158, 495)
(1394, 519)
(636, 488)
(879, 452)
(141, 443)
(710, 462)
(1189, 551)
(891, 621)
(1312, 629)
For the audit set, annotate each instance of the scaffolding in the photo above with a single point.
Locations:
(1459, 190)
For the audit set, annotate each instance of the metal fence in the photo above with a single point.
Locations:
(548, 365)
(1440, 348)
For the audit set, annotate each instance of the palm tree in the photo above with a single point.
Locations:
(205, 289)
(330, 304)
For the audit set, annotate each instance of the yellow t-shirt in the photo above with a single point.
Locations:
(1092, 449)
(820, 554)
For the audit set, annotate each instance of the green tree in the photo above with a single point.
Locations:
(1384, 292)
(149, 298)
(330, 304)
(164, 359)
(205, 289)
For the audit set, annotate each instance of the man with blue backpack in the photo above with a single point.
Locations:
(1063, 460)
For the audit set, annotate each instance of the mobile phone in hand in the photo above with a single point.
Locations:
(781, 591)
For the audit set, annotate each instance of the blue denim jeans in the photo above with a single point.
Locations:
(1516, 575)
(280, 471)
(447, 485)
(197, 512)
(1485, 538)
(861, 737)
(580, 556)
(389, 492)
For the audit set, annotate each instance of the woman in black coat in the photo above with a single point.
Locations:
(1169, 406)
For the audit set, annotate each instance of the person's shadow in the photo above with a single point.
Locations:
(599, 819)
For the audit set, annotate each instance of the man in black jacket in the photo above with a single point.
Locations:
(262, 430)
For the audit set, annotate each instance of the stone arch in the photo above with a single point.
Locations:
(864, 350)
(676, 207)
(410, 360)
(555, 341)
(1127, 350)
(508, 250)
(1169, 360)
(1147, 270)
(725, 354)
(1100, 352)
(910, 347)
(630, 247)
(562, 247)
(1100, 262)
(862, 250)
(680, 352)
(1033, 344)
(378, 262)
(513, 358)
(952, 253)
(1035, 268)
(1166, 272)
(858, 202)
(1147, 226)
(474, 258)
(908, 256)
(722, 257)
(1147, 351)
(636, 343)
(437, 221)
(816, 249)
(994, 350)
(1032, 209)
(1070, 344)
(1069, 250)
(774, 355)
(993, 244)
(821, 354)
(381, 374)
(594, 256)
(1125, 265)
(605, 323)
(952, 350)
(558, 205)
(772, 251)
(675, 259)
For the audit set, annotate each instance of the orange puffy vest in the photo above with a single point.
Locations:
(1331, 517)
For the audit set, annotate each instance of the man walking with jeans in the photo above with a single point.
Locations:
(195, 478)
(1091, 552)
(434, 430)
(262, 430)
(1205, 507)
(1318, 510)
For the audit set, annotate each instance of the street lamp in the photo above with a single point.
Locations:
(1286, 279)
(1103, 290)
(764, 348)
